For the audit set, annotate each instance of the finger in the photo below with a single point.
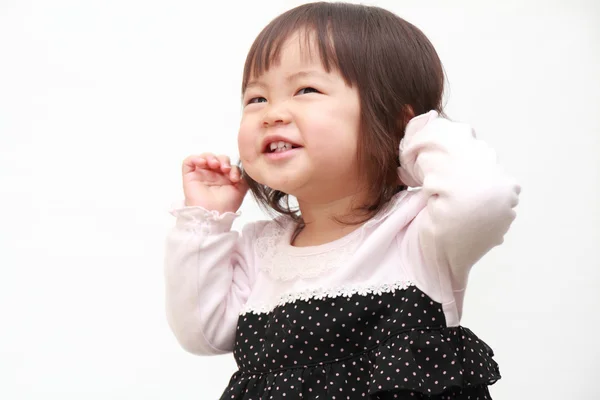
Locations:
(235, 175)
(213, 162)
(242, 185)
(225, 163)
(191, 162)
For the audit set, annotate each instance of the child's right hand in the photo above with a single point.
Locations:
(211, 182)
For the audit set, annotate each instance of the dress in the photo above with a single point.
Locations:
(373, 315)
(393, 344)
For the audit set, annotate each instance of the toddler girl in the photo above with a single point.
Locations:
(357, 293)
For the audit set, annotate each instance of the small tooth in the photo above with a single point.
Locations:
(280, 146)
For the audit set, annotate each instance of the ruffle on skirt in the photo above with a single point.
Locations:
(447, 363)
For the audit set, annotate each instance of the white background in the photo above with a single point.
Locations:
(101, 100)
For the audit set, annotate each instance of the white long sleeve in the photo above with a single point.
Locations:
(208, 279)
(470, 200)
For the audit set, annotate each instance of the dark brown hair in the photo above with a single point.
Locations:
(393, 65)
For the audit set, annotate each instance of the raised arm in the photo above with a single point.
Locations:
(208, 269)
(208, 277)
(470, 199)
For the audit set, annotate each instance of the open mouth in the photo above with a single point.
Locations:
(279, 147)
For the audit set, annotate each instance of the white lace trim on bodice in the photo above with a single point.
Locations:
(283, 262)
(323, 293)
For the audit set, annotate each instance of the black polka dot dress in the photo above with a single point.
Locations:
(387, 344)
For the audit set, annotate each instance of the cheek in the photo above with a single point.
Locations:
(335, 133)
(337, 140)
(247, 144)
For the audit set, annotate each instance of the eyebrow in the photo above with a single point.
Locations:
(289, 78)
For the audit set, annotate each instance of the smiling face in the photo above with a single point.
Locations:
(300, 127)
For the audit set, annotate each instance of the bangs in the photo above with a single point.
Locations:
(316, 28)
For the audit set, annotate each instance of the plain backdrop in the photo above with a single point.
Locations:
(100, 101)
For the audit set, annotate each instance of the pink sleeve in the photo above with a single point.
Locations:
(208, 277)
(470, 200)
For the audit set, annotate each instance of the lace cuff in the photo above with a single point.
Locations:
(200, 220)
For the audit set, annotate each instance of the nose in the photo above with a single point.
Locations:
(276, 114)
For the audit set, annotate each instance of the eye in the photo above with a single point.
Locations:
(255, 100)
(307, 90)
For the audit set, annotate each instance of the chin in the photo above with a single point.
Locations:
(277, 180)
(285, 187)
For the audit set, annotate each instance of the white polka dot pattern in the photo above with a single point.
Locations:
(393, 345)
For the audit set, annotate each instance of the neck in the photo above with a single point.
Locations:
(330, 220)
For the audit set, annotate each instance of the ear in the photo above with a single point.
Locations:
(409, 114)
(406, 114)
